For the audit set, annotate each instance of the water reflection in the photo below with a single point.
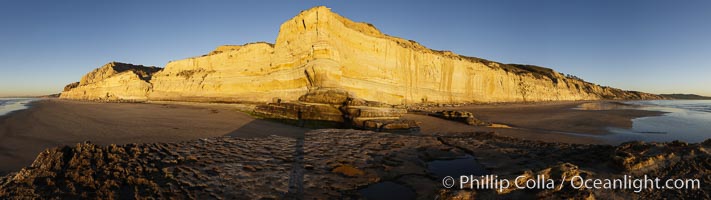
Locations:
(685, 120)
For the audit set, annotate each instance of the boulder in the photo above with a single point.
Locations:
(460, 116)
(640, 157)
(326, 96)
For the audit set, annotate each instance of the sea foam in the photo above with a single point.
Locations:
(8, 105)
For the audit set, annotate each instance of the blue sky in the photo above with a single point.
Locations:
(651, 46)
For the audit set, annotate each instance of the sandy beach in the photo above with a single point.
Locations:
(53, 122)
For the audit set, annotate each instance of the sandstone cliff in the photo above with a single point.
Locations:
(113, 82)
(318, 49)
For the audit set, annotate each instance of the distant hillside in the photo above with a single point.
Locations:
(686, 96)
(30, 96)
(50, 96)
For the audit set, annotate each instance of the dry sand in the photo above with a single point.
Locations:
(50, 123)
(547, 121)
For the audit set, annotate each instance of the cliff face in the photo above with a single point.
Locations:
(319, 49)
(113, 82)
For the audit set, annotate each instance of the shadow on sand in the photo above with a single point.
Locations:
(265, 128)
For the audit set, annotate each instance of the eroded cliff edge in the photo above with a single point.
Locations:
(319, 49)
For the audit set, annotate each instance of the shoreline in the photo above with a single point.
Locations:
(542, 121)
(27, 105)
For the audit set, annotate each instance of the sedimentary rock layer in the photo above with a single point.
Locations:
(337, 108)
(319, 49)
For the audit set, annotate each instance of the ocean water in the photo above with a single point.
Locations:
(684, 120)
(8, 105)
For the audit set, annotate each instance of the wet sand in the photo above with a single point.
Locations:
(50, 123)
(546, 121)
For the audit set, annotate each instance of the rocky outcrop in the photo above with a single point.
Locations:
(460, 116)
(507, 157)
(641, 157)
(340, 164)
(70, 86)
(229, 168)
(113, 82)
(337, 108)
(320, 49)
